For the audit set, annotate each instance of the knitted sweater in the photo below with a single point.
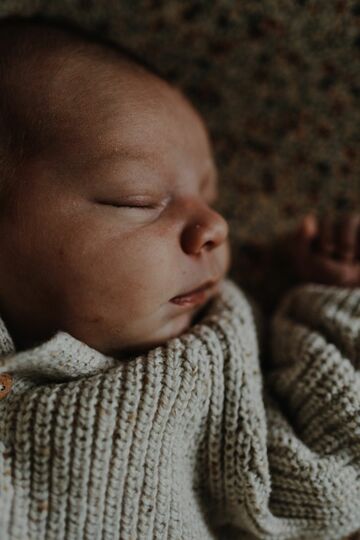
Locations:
(194, 439)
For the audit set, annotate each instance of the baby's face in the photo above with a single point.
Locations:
(118, 220)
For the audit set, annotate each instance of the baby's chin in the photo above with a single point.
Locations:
(201, 312)
(183, 325)
(185, 321)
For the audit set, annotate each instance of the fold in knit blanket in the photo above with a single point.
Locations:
(192, 440)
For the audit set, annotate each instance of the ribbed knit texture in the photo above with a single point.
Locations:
(190, 440)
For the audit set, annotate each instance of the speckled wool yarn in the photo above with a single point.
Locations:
(191, 440)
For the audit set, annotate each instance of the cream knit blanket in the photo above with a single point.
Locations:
(192, 437)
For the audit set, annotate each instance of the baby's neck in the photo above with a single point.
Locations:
(24, 339)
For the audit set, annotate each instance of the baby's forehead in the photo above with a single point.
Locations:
(137, 116)
(46, 70)
(83, 101)
(93, 98)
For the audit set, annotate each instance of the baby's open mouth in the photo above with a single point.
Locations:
(196, 296)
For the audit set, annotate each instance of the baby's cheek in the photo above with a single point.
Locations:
(120, 277)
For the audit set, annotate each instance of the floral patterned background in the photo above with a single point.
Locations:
(278, 83)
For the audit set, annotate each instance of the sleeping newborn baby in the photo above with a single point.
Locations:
(108, 193)
(109, 233)
(110, 217)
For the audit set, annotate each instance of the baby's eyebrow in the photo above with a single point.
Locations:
(119, 153)
(133, 154)
(136, 154)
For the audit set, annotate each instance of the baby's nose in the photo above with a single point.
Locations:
(205, 234)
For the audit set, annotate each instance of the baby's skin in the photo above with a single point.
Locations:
(326, 250)
(320, 249)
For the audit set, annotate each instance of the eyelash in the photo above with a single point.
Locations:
(143, 206)
(147, 206)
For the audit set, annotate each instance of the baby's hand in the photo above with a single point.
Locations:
(327, 250)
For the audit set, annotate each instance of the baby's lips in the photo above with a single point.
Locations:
(197, 296)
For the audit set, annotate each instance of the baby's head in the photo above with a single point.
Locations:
(106, 194)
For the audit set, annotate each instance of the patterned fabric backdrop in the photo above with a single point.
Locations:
(278, 83)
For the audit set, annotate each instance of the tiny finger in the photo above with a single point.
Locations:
(331, 272)
(326, 236)
(305, 235)
(347, 228)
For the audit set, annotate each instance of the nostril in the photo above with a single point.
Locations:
(206, 235)
(209, 245)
